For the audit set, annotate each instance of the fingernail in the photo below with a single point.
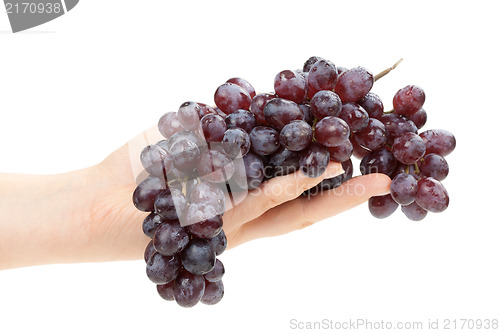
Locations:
(333, 170)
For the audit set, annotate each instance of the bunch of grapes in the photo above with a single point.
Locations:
(315, 115)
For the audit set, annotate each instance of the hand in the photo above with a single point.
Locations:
(89, 215)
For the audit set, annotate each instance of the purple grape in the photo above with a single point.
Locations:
(215, 166)
(310, 62)
(314, 160)
(341, 152)
(169, 124)
(432, 196)
(198, 257)
(438, 141)
(308, 116)
(408, 100)
(213, 127)
(162, 269)
(279, 112)
(378, 161)
(214, 291)
(236, 142)
(358, 151)
(146, 192)
(149, 251)
(257, 107)
(241, 118)
(284, 162)
(408, 148)
(373, 136)
(265, 140)
(373, 105)
(217, 273)
(185, 154)
(205, 109)
(230, 97)
(414, 212)
(188, 289)
(331, 131)
(150, 224)
(382, 206)
(354, 84)
(170, 204)
(156, 161)
(189, 115)
(170, 238)
(208, 228)
(219, 243)
(435, 166)
(419, 118)
(322, 76)
(206, 192)
(166, 291)
(325, 103)
(291, 86)
(355, 116)
(404, 189)
(296, 135)
(254, 170)
(396, 125)
(243, 84)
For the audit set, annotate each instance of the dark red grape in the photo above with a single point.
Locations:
(214, 291)
(314, 160)
(162, 269)
(414, 212)
(331, 131)
(189, 115)
(279, 112)
(166, 291)
(408, 148)
(355, 116)
(325, 103)
(341, 69)
(236, 142)
(382, 206)
(372, 104)
(358, 151)
(254, 170)
(432, 196)
(170, 204)
(257, 107)
(146, 192)
(205, 109)
(217, 273)
(373, 136)
(230, 97)
(243, 84)
(435, 166)
(296, 135)
(156, 161)
(310, 62)
(396, 125)
(378, 161)
(241, 118)
(188, 289)
(265, 140)
(322, 76)
(438, 141)
(170, 238)
(290, 85)
(198, 257)
(408, 100)
(308, 115)
(341, 152)
(419, 118)
(354, 84)
(150, 224)
(284, 162)
(404, 189)
(185, 154)
(208, 228)
(213, 127)
(169, 124)
(219, 243)
(150, 250)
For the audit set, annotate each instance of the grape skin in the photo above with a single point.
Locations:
(438, 141)
(408, 100)
(290, 85)
(432, 196)
(435, 166)
(150, 224)
(341, 152)
(214, 291)
(244, 84)
(314, 160)
(188, 289)
(189, 115)
(257, 107)
(296, 135)
(198, 257)
(230, 97)
(162, 269)
(382, 207)
(414, 212)
(325, 103)
(372, 104)
(214, 127)
(166, 291)
(279, 112)
(373, 136)
(331, 131)
(378, 161)
(322, 76)
(408, 148)
(169, 124)
(355, 116)
(265, 140)
(354, 84)
(170, 238)
(241, 118)
(217, 273)
(404, 189)
(146, 192)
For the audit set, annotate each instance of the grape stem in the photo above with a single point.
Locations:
(387, 71)
(417, 169)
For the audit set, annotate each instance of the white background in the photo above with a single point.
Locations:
(75, 89)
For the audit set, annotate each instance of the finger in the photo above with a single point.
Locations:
(304, 211)
(275, 192)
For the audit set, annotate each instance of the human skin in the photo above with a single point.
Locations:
(88, 216)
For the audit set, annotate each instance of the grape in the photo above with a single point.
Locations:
(322, 76)
(170, 204)
(243, 84)
(314, 160)
(414, 212)
(290, 85)
(373, 105)
(150, 250)
(230, 97)
(254, 170)
(205, 109)
(150, 224)
(341, 152)
(156, 161)
(146, 192)
(188, 289)
(404, 189)
(198, 257)
(241, 118)
(435, 166)
(162, 269)
(419, 118)
(296, 135)
(310, 62)
(257, 107)
(279, 112)
(373, 136)
(170, 238)
(214, 291)
(284, 162)
(332, 183)
(405, 168)
(185, 135)
(331, 131)
(308, 115)
(408, 148)
(185, 154)
(166, 291)
(169, 124)
(355, 116)
(341, 69)
(219, 243)
(205, 192)
(236, 142)
(213, 127)
(408, 100)
(265, 140)
(208, 228)
(215, 166)
(396, 126)
(217, 273)
(354, 84)
(382, 206)
(325, 103)
(189, 115)
(438, 141)
(432, 196)
(357, 150)
(378, 161)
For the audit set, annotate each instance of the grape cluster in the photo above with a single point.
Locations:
(315, 115)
